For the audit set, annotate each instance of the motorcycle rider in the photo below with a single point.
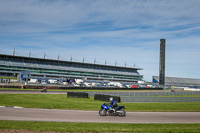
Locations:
(113, 103)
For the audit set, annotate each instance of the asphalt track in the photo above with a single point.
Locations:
(55, 115)
(30, 92)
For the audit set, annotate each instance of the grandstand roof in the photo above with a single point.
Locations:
(52, 61)
(178, 81)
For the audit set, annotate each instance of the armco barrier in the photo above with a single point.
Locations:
(106, 98)
(77, 94)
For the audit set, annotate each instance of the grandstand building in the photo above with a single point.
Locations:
(49, 68)
(174, 81)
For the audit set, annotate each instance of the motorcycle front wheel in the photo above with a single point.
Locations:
(102, 112)
(122, 113)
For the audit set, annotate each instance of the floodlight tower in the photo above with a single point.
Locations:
(162, 63)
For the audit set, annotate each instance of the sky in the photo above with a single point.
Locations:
(125, 32)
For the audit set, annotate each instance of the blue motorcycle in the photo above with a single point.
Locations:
(108, 110)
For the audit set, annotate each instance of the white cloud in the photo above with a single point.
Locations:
(115, 30)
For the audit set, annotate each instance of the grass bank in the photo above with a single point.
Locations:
(60, 101)
(99, 127)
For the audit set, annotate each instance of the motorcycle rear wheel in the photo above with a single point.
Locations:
(102, 112)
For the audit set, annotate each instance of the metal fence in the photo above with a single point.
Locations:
(152, 96)
(144, 94)
(160, 99)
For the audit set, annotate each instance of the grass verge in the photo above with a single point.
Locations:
(99, 127)
(60, 101)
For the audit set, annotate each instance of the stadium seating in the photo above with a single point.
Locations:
(70, 69)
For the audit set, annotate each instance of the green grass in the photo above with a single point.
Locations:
(60, 101)
(100, 127)
(50, 101)
(6, 77)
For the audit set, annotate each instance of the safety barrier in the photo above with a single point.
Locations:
(77, 94)
(106, 98)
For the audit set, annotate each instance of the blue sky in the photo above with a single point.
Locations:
(112, 30)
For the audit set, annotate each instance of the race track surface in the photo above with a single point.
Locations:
(55, 115)
(30, 92)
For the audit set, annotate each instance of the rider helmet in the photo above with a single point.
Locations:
(111, 99)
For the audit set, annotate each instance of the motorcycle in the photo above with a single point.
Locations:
(108, 110)
(44, 90)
